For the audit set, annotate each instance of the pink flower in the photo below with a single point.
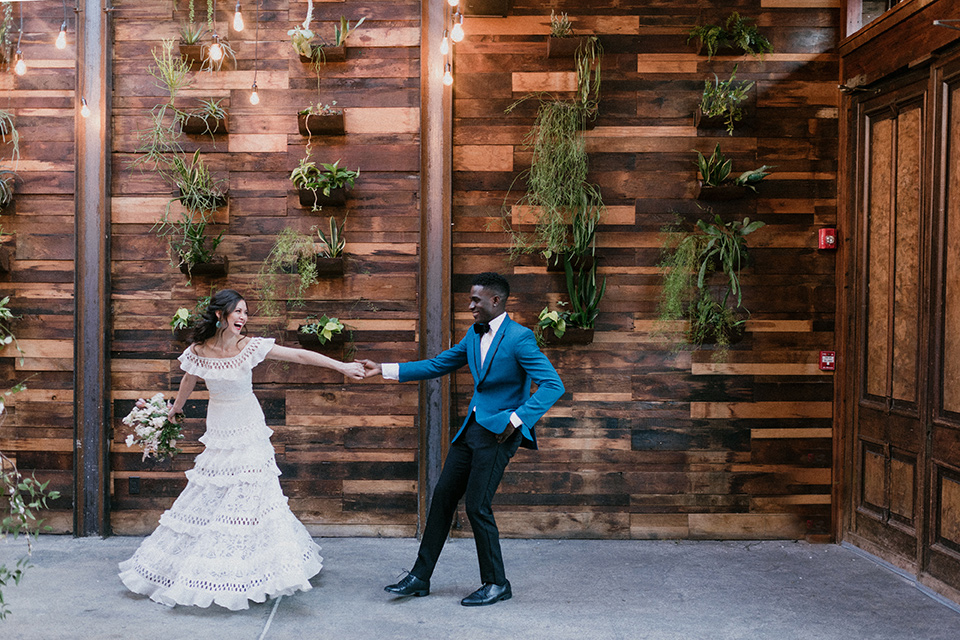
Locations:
(141, 404)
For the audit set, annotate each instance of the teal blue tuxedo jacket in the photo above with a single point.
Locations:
(502, 385)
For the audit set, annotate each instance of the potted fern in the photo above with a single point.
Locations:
(320, 119)
(323, 185)
(722, 103)
(715, 182)
(701, 281)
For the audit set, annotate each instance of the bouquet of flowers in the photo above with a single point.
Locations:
(152, 429)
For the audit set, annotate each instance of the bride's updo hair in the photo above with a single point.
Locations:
(224, 301)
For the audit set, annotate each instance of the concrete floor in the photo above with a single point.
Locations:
(576, 589)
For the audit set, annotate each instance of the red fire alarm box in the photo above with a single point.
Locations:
(828, 361)
(828, 238)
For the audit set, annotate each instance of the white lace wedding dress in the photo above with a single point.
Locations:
(229, 537)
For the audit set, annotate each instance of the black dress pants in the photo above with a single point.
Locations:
(474, 467)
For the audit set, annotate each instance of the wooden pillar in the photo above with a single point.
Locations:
(435, 245)
(92, 273)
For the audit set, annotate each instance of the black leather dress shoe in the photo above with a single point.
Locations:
(488, 594)
(411, 585)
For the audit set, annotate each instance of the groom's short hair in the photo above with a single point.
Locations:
(493, 281)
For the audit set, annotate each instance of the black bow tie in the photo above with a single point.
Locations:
(481, 327)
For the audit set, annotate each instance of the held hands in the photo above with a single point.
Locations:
(371, 368)
(353, 370)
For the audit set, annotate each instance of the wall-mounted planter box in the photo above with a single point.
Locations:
(309, 198)
(719, 123)
(312, 342)
(563, 47)
(486, 7)
(7, 250)
(219, 202)
(320, 125)
(217, 268)
(573, 335)
(326, 54)
(183, 336)
(734, 337)
(201, 124)
(723, 192)
(326, 267)
(193, 53)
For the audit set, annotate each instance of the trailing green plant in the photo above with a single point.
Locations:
(342, 30)
(587, 61)
(321, 109)
(693, 259)
(557, 187)
(723, 99)
(185, 318)
(210, 111)
(715, 171)
(6, 26)
(333, 243)
(7, 179)
(227, 53)
(292, 251)
(737, 31)
(323, 327)
(584, 294)
(560, 26)
(163, 137)
(25, 497)
(199, 190)
(555, 321)
(10, 135)
(308, 176)
(6, 332)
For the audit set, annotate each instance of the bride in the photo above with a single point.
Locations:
(229, 537)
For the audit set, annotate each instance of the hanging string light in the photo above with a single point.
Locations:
(254, 96)
(237, 18)
(215, 52)
(453, 3)
(448, 75)
(84, 109)
(20, 67)
(62, 36)
(456, 34)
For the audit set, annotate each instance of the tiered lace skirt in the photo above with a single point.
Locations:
(230, 537)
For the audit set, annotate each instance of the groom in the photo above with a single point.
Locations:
(504, 360)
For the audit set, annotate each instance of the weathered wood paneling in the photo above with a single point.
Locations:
(38, 227)
(348, 452)
(649, 442)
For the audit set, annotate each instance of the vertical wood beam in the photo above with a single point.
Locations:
(435, 245)
(91, 281)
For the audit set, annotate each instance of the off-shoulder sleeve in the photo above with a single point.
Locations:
(262, 347)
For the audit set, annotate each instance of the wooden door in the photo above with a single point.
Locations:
(889, 439)
(941, 552)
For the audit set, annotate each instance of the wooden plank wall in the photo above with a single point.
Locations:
(347, 452)
(37, 429)
(647, 442)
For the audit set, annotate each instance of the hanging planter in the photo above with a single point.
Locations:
(193, 53)
(563, 47)
(721, 192)
(311, 198)
(311, 124)
(321, 54)
(216, 268)
(572, 335)
(203, 124)
(184, 335)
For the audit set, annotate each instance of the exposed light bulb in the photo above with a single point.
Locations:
(216, 51)
(447, 76)
(21, 67)
(84, 109)
(456, 34)
(453, 3)
(238, 19)
(62, 37)
(445, 44)
(254, 97)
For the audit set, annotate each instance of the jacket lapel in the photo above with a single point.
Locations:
(492, 351)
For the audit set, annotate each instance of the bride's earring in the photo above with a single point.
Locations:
(218, 324)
